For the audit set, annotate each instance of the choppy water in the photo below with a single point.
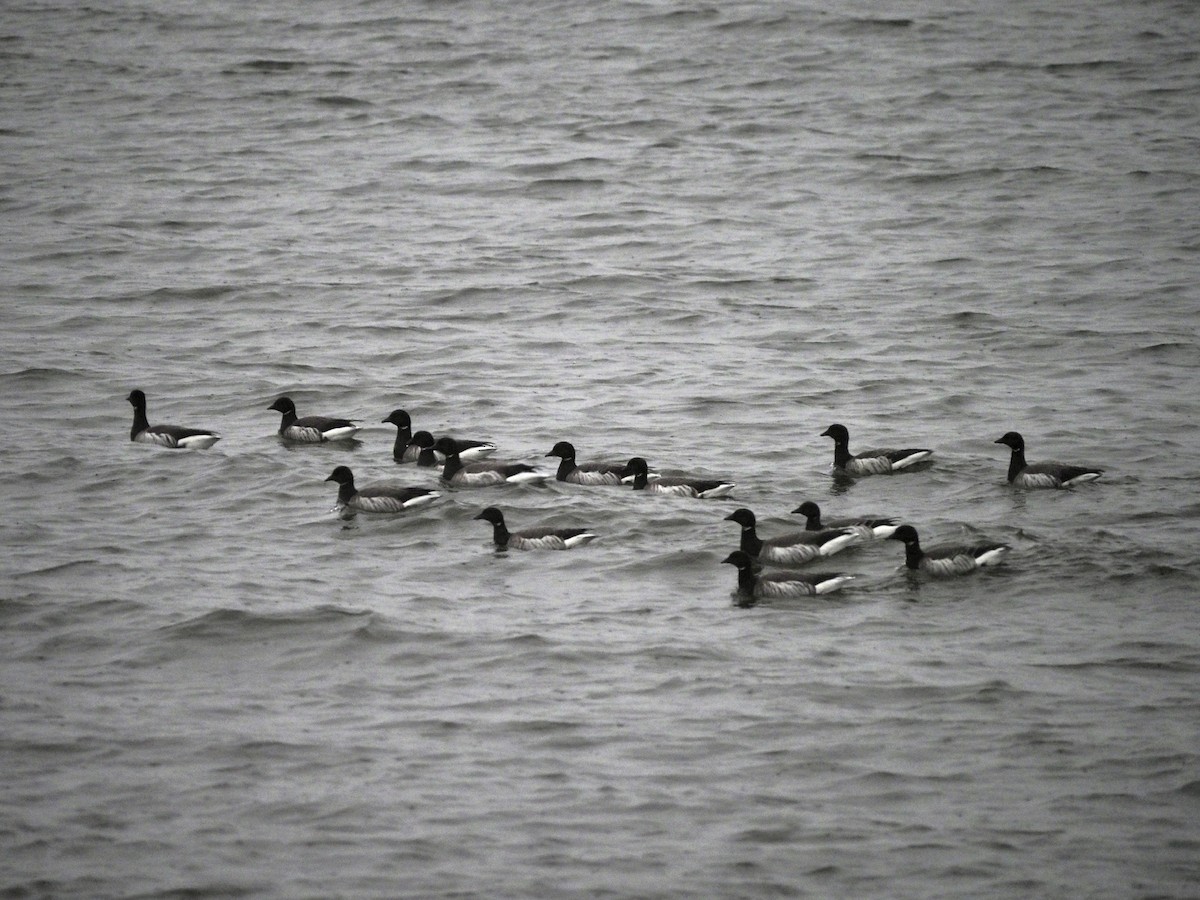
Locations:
(695, 233)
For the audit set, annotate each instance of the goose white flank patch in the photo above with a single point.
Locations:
(377, 498)
(311, 429)
(470, 450)
(174, 437)
(867, 527)
(878, 461)
(1044, 474)
(677, 486)
(772, 585)
(947, 559)
(484, 472)
(408, 449)
(537, 538)
(789, 549)
(571, 471)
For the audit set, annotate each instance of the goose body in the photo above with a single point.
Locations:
(174, 437)
(867, 527)
(947, 559)
(587, 473)
(409, 446)
(483, 472)
(1043, 474)
(879, 461)
(789, 549)
(311, 429)
(538, 538)
(773, 585)
(377, 498)
(704, 488)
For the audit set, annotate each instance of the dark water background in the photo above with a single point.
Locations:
(697, 233)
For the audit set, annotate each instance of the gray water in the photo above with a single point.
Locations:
(696, 233)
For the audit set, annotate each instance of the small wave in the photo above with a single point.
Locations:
(1181, 352)
(271, 65)
(38, 377)
(874, 22)
(1129, 663)
(83, 568)
(430, 121)
(869, 25)
(1087, 66)
(973, 317)
(341, 101)
(995, 65)
(200, 292)
(555, 169)
(544, 726)
(757, 836)
(682, 16)
(250, 626)
(755, 24)
(567, 184)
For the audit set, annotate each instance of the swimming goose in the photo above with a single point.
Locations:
(947, 559)
(879, 461)
(403, 450)
(1043, 474)
(311, 429)
(789, 549)
(705, 489)
(540, 538)
(422, 446)
(867, 527)
(766, 585)
(406, 449)
(588, 473)
(484, 472)
(377, 498)
(174, 437)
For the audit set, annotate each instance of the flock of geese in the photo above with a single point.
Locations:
(468, 463)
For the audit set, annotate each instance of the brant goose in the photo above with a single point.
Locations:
(705, 489)
(868, 527)
(540, 538)
(176, 437)
(407, 449)
(484, 472)
(766, 585)
(588, 473)
(879, 461)
(377, 498)
(311, 429)
(790, 549)
(1044, 474)
(947, 559)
